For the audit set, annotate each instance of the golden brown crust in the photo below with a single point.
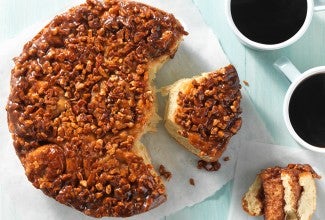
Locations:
(301, 168)
(208, 112)
(80, 99)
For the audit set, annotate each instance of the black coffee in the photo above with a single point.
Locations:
(307, 110)
(269, 21)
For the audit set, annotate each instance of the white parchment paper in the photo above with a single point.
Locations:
(254, 156)
(200, 52)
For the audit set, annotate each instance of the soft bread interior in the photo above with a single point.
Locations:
(291, 195)
(252, 202)
(307, 201)
(170, 112)
(288, 197)
(138, 148)
(154, 118)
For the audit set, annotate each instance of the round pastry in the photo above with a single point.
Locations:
(80, 100)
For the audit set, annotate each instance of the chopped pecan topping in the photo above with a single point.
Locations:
(226, 158)
(80, 98)
(191, 180)
(163, 172)
(208, 111)
(208, 166)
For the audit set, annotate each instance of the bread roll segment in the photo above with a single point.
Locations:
(283, 193)
(203, 112)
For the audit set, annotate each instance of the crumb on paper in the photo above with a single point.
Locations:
(192, 181)
(163, 172)
(245, 83)
(226, 158)
(208, 166)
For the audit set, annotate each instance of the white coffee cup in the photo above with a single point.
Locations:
(312, 5)
(284, 65)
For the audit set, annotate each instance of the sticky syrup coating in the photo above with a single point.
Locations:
(209, 111)
(80, 97)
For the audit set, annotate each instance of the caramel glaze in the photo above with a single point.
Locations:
(208, 111)
(80, 97)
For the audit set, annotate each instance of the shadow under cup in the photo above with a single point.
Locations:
(307, 110)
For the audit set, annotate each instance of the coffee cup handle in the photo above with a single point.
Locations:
(319, 5)
(284, 65)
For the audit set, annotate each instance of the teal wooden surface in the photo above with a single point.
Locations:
(266, 88)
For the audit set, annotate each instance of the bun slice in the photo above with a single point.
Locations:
(203, 112)
(282, 193)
